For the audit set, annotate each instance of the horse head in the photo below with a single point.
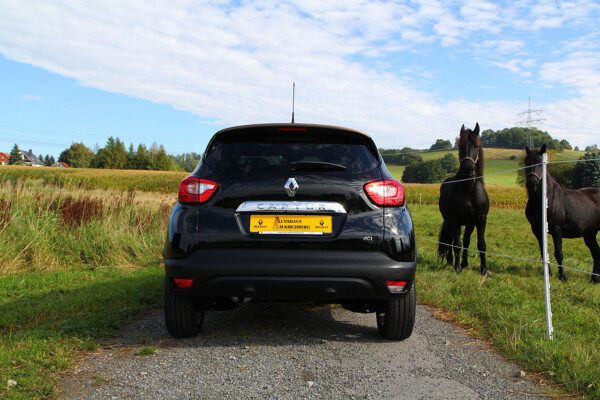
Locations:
(469, 152)
(533, 166)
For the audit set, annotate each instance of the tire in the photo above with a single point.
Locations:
(183, 314)
(396, 317)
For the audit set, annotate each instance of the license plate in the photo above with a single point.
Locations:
(291, 224)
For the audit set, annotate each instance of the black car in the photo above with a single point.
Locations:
(291, 212)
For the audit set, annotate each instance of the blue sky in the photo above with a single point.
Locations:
(406, 72)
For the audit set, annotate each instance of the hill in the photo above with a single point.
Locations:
(497, 160)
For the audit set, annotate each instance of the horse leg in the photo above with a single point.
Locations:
(558, 254)
(482, 247)
(466, 242)
(592, 244)
(457, 245)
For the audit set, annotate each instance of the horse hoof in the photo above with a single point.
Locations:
(562, 278)
(458, 269)
(486, 274)
(595, 280)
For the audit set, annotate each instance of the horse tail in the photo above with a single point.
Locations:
(444, 238)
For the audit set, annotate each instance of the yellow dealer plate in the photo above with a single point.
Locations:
(291, 224)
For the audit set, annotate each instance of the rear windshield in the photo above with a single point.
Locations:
(250, 158)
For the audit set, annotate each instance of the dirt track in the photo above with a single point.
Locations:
(290, 351)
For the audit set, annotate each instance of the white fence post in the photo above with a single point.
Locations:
(545, 247)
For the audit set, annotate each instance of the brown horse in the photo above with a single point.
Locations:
(571, 213)
(464, 202)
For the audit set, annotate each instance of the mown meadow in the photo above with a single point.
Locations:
(81, 257)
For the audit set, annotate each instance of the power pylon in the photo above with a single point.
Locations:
(530, 121)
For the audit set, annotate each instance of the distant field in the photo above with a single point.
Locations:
(497, 166)
(496, 161)
(87, 178)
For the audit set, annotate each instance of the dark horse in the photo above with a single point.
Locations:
(464, 201)
(571, 213)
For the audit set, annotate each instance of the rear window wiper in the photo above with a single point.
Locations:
(315, 166)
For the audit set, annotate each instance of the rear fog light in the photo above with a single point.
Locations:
(183, 283)
(396, 286)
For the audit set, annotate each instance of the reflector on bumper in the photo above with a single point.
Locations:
(183, 283)
(396, 286)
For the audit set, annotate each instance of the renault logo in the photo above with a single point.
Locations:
(291, 187)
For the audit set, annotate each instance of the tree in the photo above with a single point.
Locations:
(424, 172)
(16, 157)
(402, 158)
(188, 161)
(162, 161)
(588, 172)
(565, 145)
(449, 163)
(77, 156)
(112, 156)
(441, 144)
(141, 158)
(517, 138)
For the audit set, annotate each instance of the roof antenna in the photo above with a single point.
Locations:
(293, 99)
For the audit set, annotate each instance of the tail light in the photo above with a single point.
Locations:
(195, 190)
(388, 192)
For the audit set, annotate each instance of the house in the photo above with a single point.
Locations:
(60, 164)
(31, 159)
(4, 158)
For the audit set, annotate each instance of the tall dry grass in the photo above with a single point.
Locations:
(45, 228)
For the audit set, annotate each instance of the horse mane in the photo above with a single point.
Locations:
(480, 163)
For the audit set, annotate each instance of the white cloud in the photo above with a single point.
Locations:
(30, 97)
(235, 62)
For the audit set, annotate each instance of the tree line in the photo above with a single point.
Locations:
(570, 175)
(585, 173)
(114, 155)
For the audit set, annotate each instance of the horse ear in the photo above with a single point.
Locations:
(476, 128)
(527, 150)
(542, 149)
(462, 130)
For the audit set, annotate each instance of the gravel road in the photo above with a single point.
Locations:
(294, 351)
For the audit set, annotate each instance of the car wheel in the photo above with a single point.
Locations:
(396, 317)
(183, 314)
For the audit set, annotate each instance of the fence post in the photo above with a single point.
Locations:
(545, 246)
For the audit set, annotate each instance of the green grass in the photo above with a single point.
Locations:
(73, 270)
(47, 319)
(69, 280)
(508, 179)
(147, 350)
(437, 154)
(508, 309)
(396, 171)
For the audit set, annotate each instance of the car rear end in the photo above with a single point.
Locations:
(289, 212)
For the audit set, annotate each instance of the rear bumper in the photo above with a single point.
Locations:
(290, 274)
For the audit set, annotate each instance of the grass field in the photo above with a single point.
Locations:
(497, 161)
(70, 278)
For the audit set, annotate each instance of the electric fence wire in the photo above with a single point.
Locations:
(506, 256)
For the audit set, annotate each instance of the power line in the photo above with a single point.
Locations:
(529, 121)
